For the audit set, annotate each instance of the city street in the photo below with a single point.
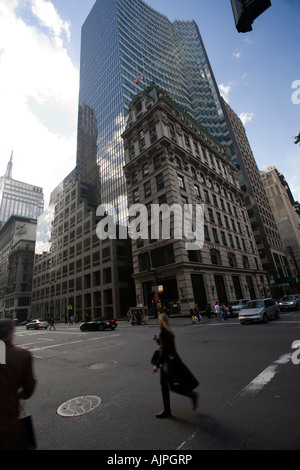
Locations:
(248, 392)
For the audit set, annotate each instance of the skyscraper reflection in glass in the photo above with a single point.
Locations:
(127, 45)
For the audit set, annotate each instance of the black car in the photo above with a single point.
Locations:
(99, 324)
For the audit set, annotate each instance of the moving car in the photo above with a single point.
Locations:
(259, 310)
(289, 302)
(99, 324)
(37, 324)
(237, 305)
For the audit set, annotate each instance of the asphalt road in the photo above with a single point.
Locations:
(248, 392)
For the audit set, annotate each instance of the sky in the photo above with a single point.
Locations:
(258, 73)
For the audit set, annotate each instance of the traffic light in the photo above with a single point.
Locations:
(246, 11)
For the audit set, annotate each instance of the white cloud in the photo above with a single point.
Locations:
(237, 54)
(38, 95)
(45, 11)
(224, 91)
(246, 117)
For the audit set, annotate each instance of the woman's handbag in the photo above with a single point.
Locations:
(155, 358)
(27, 437)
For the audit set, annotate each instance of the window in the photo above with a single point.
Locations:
(197, 191)
(215, 234)
(193, 172)
(232, 260)
(219, 219)
(134, 177)
(238, 243)
(131, 149)
(181, 182)
(159, 257)
(215, 257)
(215, 200)
(160, 181)
(206, 234)
(145, 169)
(211, 215)
(142, 141)
(147, 189)
(224, 238)
(156, 162)
(136, 196)
(246, 262)
(172, 132)
(186, 140)
(162, 199)
(152, 131)
(184, 201)
(178, 163)
(194, 256)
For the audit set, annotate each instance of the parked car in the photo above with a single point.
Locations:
(289, 302)
(37, 324)
(237, 306)
(99, 324)
(259, 310)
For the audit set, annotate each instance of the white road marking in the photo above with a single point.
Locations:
(265, 377)
(55, 345)
(190, 438)
(253, 387)
(101, 337)
(67, 343)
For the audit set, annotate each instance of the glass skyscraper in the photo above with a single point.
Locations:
(127, 45)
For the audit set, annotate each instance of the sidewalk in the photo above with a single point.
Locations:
(175, 321)
(124, 323)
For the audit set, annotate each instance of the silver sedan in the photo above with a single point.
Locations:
(37, 324)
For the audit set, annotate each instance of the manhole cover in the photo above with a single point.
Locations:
(78, 406)
(102, 365)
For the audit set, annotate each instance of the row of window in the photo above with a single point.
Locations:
(88, 281)
(215, 256)
(236, 242)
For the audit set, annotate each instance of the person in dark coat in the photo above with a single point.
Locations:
(174, 375)
(17, 382)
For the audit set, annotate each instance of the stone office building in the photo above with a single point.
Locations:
(17, 242)
(285, 215)
(74, 272)
(271, 249)
(170, 160)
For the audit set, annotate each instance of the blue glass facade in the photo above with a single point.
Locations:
(122, 40)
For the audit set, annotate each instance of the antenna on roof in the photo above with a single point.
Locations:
(8, 173)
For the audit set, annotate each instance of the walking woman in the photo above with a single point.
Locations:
(174, 375)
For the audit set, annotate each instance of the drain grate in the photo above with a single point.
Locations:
(78, 406)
